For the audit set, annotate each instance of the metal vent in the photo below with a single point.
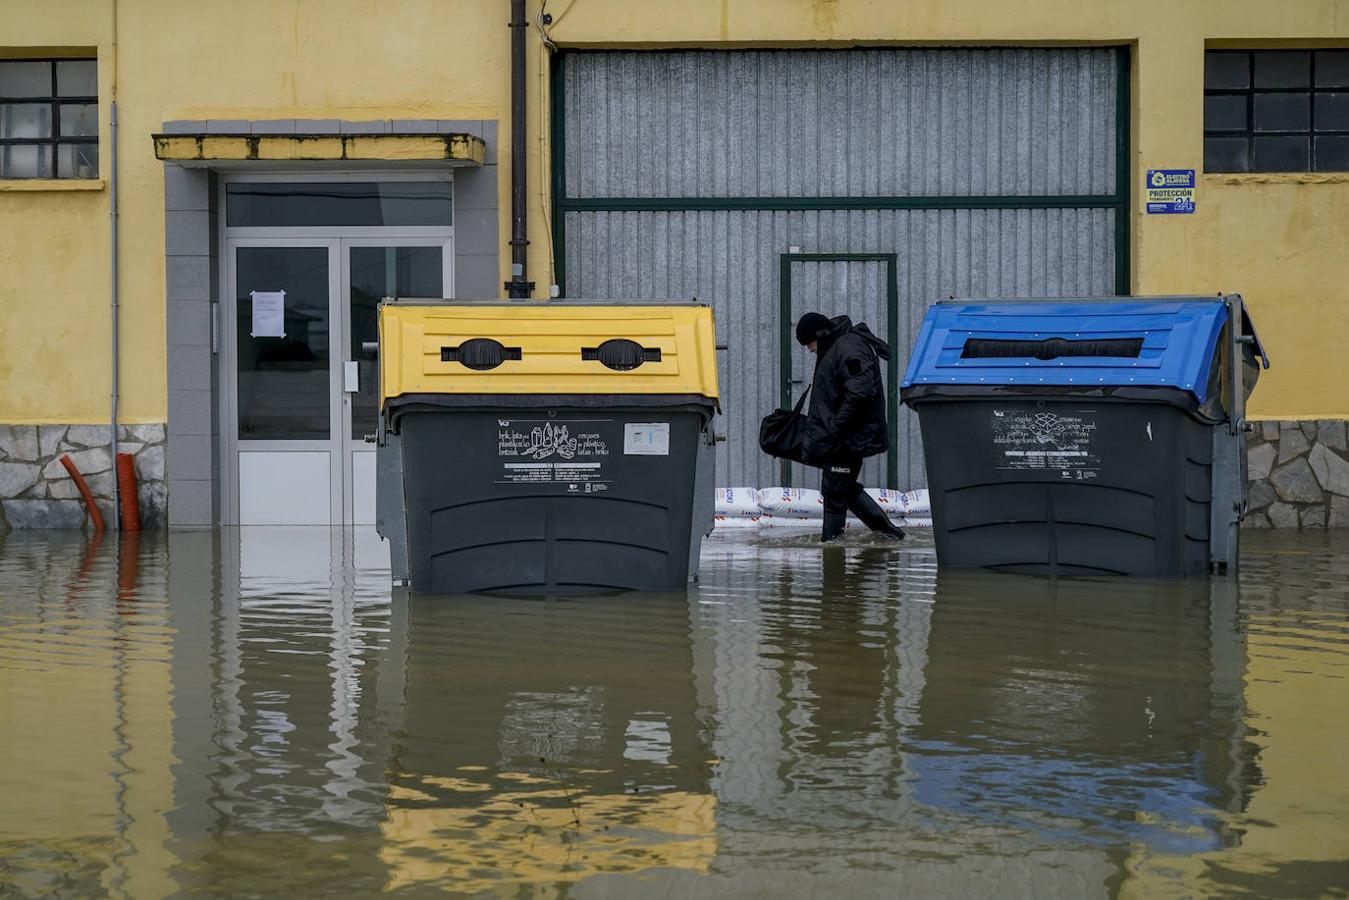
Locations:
(1050, 348)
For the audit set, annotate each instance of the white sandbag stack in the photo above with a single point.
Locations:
(738, 501)
(795, 503)
(737, 507)
(790, 508)
(911, 509)
(783, 507)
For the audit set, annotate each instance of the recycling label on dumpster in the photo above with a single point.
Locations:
(571, 453)
(1053, 443)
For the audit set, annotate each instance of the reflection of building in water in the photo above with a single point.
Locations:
(1096, 712)
(84, 714)
(279, 677)
(869, 709)
(1293, 834)
(817, 670)
(471, 738)
(546, 742)
(245, 714)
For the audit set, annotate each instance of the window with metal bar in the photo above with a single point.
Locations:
(48, 118)
(1276, 111)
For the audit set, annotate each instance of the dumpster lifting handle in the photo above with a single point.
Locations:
(1236, 420)
(1236, 416)
(1259, 350)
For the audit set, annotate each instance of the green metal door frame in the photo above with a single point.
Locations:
(787, 335)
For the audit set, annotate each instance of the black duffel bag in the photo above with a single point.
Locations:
(782, 433)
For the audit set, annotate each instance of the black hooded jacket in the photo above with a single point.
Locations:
(847, 402)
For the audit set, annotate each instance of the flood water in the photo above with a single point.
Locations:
(256, 713)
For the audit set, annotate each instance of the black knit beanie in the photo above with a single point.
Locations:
(811, 327)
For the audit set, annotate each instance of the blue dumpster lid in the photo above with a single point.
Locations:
(1148, 343)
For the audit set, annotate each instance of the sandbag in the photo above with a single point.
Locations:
(789, 522)
(917, 503)
(737, 501)
(892, 502)
(791, 501)
(735, 521)
(806, 502)
(902, 502)
(806, 522)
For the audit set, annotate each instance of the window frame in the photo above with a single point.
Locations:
(1311, 133)
(54, 101)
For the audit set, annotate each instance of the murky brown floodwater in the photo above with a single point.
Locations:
(252, 714)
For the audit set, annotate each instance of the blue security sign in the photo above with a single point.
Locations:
(1170, 190)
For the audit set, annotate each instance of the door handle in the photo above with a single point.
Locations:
(351, 377)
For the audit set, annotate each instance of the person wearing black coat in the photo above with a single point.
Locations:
(846, 419)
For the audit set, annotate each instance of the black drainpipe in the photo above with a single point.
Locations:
(519, 287)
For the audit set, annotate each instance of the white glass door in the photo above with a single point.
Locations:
(374, 268)
(308, 259)
(283, 412)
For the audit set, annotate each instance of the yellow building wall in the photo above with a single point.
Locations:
(246, 59)
(1277, 240)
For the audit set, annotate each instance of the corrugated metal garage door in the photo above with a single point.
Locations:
(985, 173)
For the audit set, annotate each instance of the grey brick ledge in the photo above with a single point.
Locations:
(1299, 474)
(37, 492)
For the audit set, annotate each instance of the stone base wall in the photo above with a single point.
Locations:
(36, 491)
(1299, 475)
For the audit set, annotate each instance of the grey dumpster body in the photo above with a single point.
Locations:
(1086, 437)
(574, 453)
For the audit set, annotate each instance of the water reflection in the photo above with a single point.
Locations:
(253, 712)
(547, 741)
(1097, 712)
(83, 768)
(291, 710)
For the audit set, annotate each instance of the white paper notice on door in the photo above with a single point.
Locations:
(646, 438)
(269, 314)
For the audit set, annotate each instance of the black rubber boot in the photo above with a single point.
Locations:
(834, 523)
(865, 507)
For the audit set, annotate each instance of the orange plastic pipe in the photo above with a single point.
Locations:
(95, 517)
(126, 489)
(128, 568)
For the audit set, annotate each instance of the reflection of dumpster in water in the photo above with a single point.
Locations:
(547, 742)
(1106, 712)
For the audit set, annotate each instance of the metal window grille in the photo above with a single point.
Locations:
(47, 130)
(1276, 111)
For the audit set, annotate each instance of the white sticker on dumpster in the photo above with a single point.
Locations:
(1061, 444)
(646, 438)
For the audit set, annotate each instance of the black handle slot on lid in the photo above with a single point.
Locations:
(1050, 348)
(621, 355)
(480, 354)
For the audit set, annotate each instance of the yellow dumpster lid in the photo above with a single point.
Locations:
(560, 348)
